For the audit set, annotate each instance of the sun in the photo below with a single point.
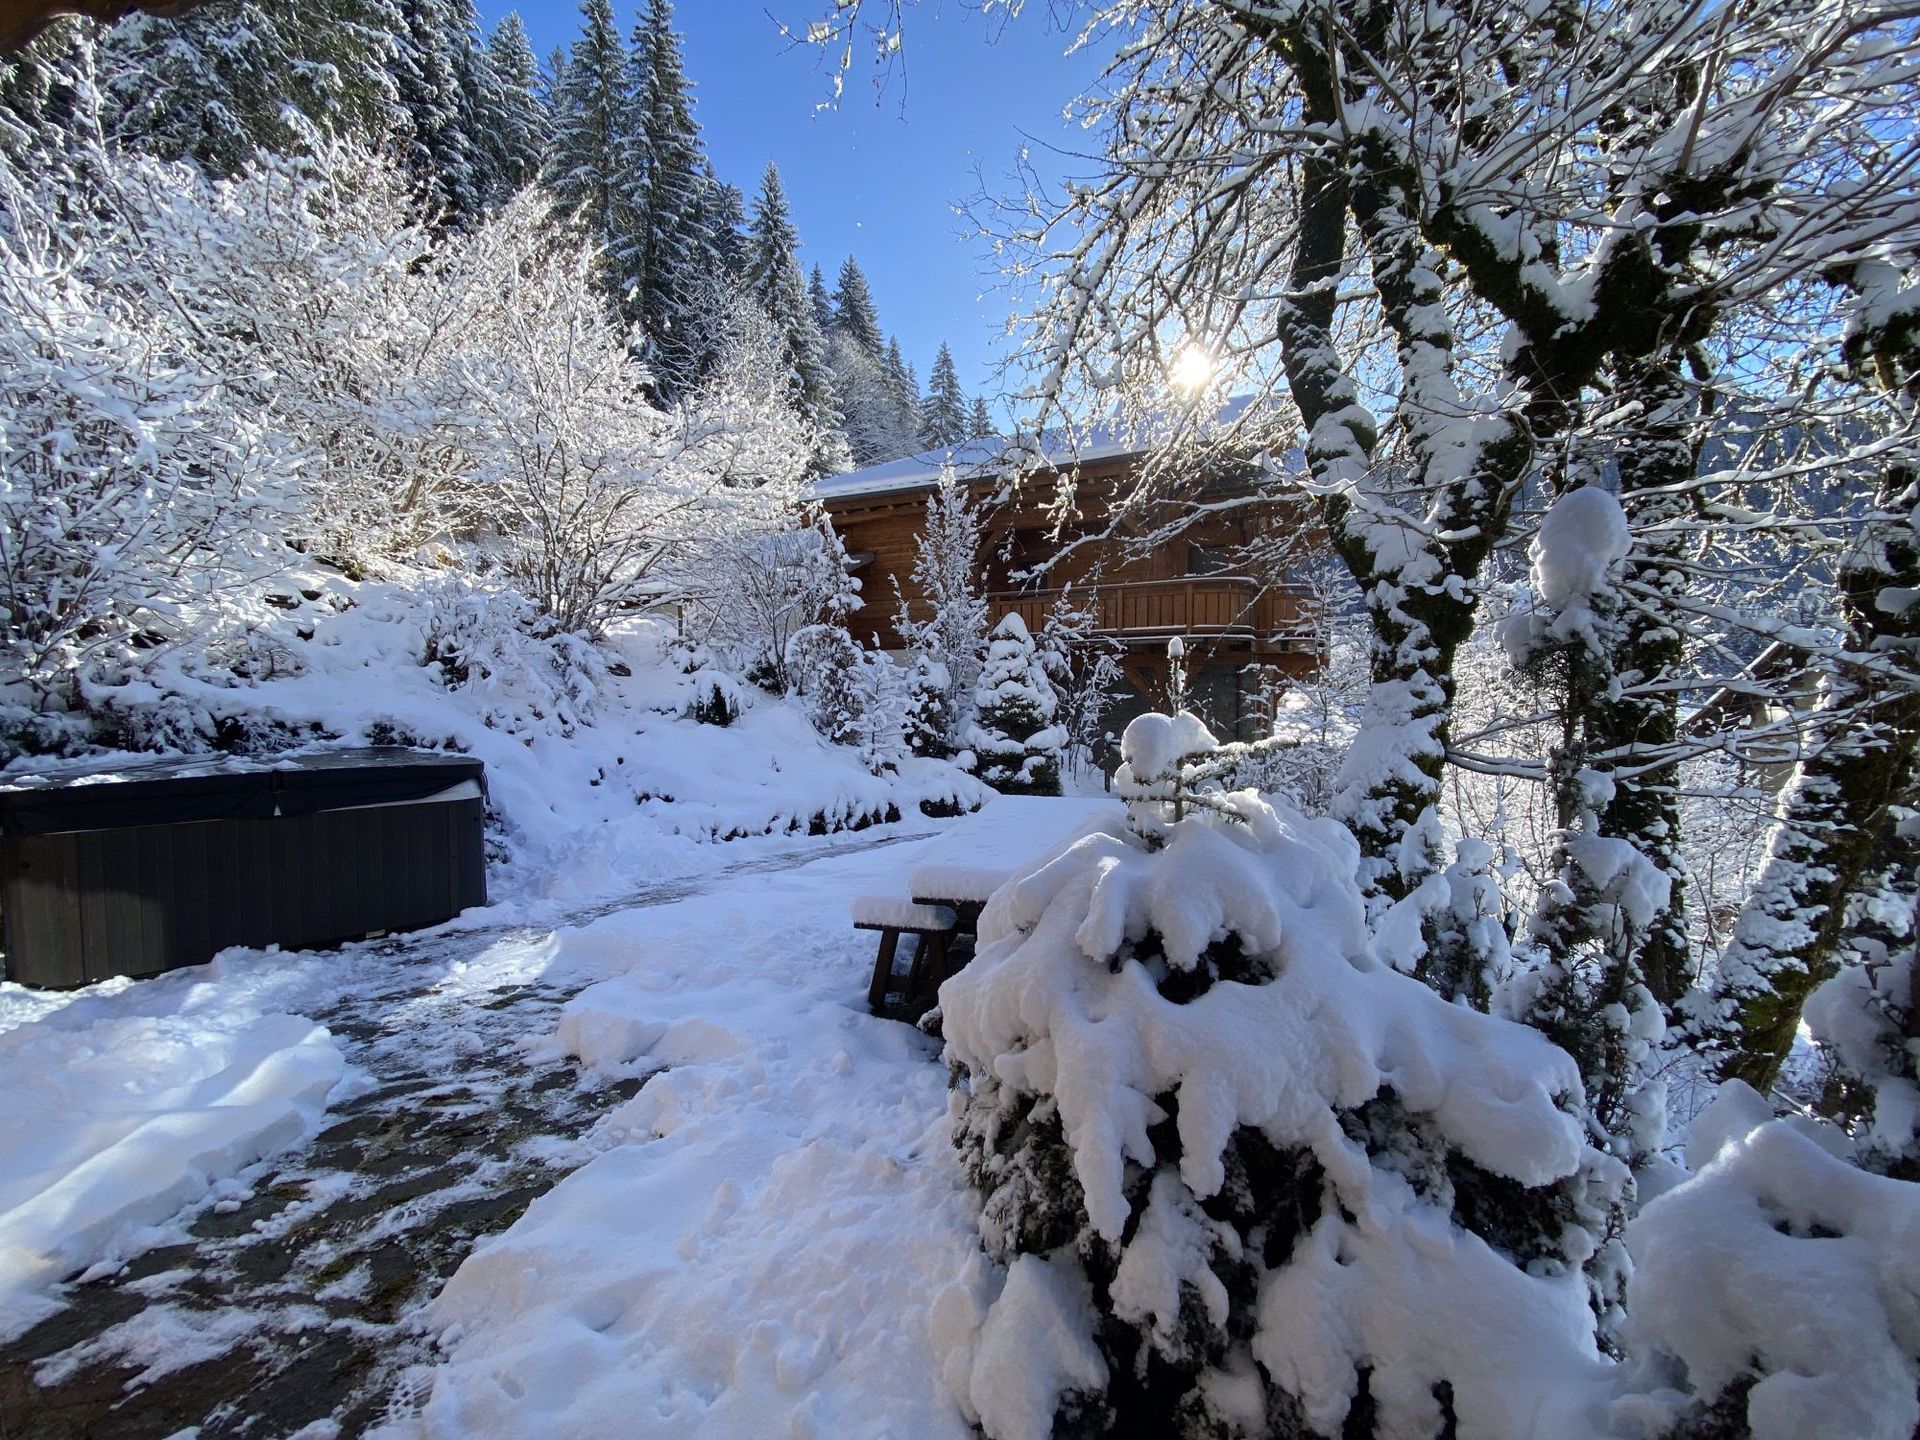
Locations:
(1192, 367)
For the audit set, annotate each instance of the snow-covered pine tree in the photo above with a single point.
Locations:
(943, 414)
(904, 386)
(593, 167)
(221, 80)
(678, 301)
(952, 633)
(722, 215)
(773, 278)
(853, 312)
(883, 696)
(1271, 1207)
(516, 121)
(927, 718)
(1014, 737)
(979, 422)
(440, 81)
(820, 300)
(1084, 667)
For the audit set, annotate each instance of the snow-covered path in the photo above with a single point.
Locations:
(647, 1167)
(291, 1295)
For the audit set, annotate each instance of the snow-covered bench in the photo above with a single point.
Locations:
(909, 994)
(947, 890)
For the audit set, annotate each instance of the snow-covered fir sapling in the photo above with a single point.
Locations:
(826, 662)
(1084, 667)
(1237, 1176)
(929, 713)
(1015, 736)
(952, 631)
(710, 696)
(881, 689)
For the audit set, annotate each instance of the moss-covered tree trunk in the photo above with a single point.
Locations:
(1787, 937)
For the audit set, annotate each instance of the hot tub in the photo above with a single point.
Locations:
(146, 867)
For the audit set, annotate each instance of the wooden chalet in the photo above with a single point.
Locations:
(1242, 631)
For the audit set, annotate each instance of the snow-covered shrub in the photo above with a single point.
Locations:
(1241, 1178)
(1014, 735)
(527, 673)
(131, 487)
(710, 695)
(758, 586)
(1780, 1286)
(311, 286)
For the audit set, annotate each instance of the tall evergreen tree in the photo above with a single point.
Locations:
(904, 384)
(723, 219)
(435, 77)
(677, 301)
(821, 301)
(943, 414)
(219, 82)
(773, 278)
(980, 423)
(853, 313)
(591, 166)
(36, 91)
(516, 126)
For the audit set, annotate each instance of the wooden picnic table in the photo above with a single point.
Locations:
(929, 933)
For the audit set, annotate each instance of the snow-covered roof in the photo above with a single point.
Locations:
(976, 459)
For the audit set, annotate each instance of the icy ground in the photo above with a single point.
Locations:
(681, 1182)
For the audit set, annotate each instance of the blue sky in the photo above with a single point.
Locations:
(879, 175)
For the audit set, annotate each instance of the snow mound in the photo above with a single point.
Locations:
(1780, 1263)
(117, 1123)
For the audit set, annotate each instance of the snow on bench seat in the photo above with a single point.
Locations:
(896, 912)
(975, 883)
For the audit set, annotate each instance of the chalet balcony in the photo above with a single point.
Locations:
(1276, 620)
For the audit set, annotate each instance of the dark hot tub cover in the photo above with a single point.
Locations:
(215, 787)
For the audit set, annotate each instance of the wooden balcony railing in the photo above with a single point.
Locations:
(1195, 605)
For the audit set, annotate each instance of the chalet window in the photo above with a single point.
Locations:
(1207, 560)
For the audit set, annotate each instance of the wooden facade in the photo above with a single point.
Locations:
(1241, 630)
